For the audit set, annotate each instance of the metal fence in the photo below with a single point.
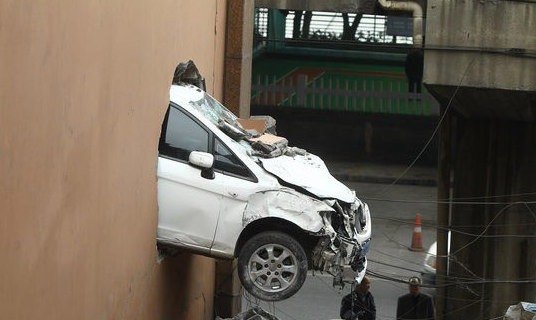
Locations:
(261, 22)
(329, 26)
(327, 93)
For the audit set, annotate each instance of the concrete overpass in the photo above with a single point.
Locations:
(479, 63)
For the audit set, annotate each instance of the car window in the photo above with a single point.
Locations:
(182, 135)
(213, 110)
(226, 161)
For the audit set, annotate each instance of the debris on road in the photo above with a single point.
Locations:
(256, 313)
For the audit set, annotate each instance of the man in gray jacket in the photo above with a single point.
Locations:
(415, 305)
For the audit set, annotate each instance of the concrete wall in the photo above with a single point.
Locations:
(83, 89)
(479, 59)
(485, 49)
(463, 31)
(353, 136)
(365, 6)
(495, 159)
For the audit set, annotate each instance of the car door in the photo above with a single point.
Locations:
(188, 204)
(240, 184)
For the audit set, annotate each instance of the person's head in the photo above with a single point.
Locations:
(364, 286)
(414, 285)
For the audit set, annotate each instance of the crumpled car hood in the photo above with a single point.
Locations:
(310, 173)
(292, 165)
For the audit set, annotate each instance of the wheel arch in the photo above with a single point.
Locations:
(306, 239)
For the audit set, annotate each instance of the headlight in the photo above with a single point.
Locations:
(361, 218)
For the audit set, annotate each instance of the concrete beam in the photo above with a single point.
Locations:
(487, 103)
(362, 6)
(483, 46)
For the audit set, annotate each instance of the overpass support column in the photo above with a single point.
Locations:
(238, 56)
(228, 291)
(236, 97)
(276, 30)
(443, 209)
(492, 218)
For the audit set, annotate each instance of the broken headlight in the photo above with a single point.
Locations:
(359, 256)
(360, 218)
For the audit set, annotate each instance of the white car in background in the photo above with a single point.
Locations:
(430, 263)
(227, 192)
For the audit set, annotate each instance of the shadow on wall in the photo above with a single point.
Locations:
(187, 287)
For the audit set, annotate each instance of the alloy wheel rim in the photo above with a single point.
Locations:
(273, 268)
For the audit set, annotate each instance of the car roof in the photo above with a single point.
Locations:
(184, 93)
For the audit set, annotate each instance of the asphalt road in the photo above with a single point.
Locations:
(392, 230)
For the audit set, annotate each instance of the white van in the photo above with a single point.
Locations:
(230, 193)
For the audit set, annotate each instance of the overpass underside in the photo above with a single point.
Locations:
(480, 59)
(362, 6)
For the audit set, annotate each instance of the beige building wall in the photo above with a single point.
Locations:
(83, 89)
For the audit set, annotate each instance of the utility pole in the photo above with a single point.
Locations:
(443, 207)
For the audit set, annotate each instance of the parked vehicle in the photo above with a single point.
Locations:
(430, 263)
(227, 192)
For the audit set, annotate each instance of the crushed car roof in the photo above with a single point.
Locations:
(292, 165)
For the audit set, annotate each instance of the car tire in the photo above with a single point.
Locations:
(272, 266)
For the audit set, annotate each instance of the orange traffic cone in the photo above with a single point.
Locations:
(416, 239)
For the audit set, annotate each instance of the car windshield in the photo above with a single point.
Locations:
(213, 110)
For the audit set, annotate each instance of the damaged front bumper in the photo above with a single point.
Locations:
(342, 250)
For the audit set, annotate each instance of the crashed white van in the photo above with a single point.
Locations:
(228, 192)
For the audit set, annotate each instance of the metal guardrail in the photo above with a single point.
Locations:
(327, 94)
(329, 26)
(261, 22)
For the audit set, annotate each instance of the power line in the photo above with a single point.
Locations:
(393, 256)
(449, 256)
(417, 271)
(455, 283)
(494, 196)
(484, 231)
(446, 201)
(447, 108)
(392, 265)
(481, 235)
(449, 277)
(463, 232)
(442, 227)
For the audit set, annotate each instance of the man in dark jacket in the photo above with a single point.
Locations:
(414, 70)
(415, 305)
(359, 304)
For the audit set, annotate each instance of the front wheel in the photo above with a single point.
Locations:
(272, 266)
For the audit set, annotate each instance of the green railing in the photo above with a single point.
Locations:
(327, 91)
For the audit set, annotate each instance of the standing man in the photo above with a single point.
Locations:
(415, 305)
(359, 304)
(414, 69)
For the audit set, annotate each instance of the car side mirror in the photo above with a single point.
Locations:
(203, 160)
